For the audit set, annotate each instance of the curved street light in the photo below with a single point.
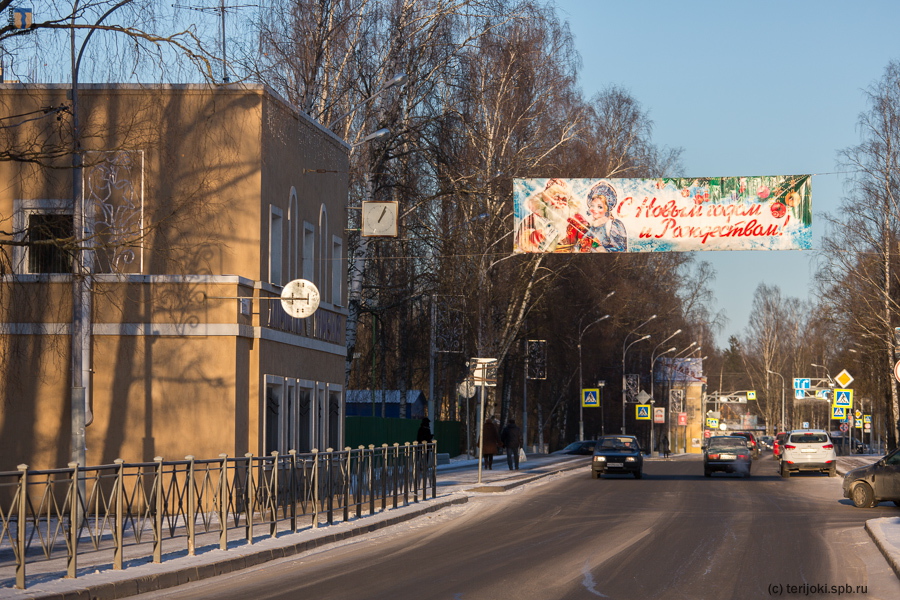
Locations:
(624, 383)
(580, 380)
(398, 79)
(783, 425)
(653, 360)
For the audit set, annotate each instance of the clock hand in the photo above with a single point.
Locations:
(383, 212)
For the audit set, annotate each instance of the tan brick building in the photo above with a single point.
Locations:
(199, 202)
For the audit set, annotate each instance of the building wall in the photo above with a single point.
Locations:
(179, 365)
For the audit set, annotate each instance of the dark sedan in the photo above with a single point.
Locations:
(617, 454)
(585, 448)
(880, 481)
(727, 453)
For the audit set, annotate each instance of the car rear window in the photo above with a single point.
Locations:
(809, 438)
(732, 444)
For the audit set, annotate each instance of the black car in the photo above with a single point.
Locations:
(585, 448)
(751, 442)
(617, 454)
(727, 453)
(880, 481)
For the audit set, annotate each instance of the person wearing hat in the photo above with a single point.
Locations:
(424, 434)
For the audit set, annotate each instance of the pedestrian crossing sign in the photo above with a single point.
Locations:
(838, 412)
(643, 412)
(590, 398)
(843, 398)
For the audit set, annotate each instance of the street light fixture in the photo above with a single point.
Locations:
(398, 79)
(653, 360)
(624, 383)
(783, 425)
(581, 380)
(827, 373)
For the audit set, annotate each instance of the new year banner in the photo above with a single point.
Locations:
(663, 215)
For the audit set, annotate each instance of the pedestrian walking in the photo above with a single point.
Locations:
(424, 433)
(511, 438)
(490, 443)
(665, 445)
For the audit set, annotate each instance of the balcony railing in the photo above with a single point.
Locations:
(143, 506)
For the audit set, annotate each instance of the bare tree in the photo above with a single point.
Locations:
(859, 253)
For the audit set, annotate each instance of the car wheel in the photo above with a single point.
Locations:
(862, 495)
(897, 502)
(595, 474)
(747, 474)
(785, 472)
(832, 472)
(638, 474)
(707, 472)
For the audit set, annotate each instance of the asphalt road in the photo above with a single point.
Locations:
(674, 534)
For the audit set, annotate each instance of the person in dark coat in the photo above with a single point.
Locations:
(424, 433)
(665, 446)
(490, 443)
(511, 438)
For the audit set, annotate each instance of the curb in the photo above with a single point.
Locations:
(891, 552)
(504, 487)
(159, 581)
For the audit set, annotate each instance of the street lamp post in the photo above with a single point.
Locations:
(783, 424)
(624, 382)
(580, 378)
(653, 360)
(624, 350)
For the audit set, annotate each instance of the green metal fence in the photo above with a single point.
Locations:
(362, 431)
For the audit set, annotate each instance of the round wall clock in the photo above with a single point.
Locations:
(379, 219)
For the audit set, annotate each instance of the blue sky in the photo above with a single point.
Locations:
(745, 88)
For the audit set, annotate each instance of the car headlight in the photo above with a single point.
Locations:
(600, 458)
(630, 459)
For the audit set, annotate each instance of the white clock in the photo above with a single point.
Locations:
(379, 219)
(300, 298)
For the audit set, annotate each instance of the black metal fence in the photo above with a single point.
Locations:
(142, 506)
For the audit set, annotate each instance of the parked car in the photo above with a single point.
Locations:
(844, 446)
(808, 450)
(585, 448)
(751, 442)
(617, 454)
(778, 444)
(880, 481)
(727, 453)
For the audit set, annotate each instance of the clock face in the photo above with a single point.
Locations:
(379, 219)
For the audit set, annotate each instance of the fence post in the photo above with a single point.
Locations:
(315, 486)
(190, 518)
(74, 524)
(250, 504)
(274, 498)
(223, 503)
(21, 519)
(346, 483)
(360, 478)
(329, 483)
(120, 517)
(159, 508)
(406, 473)
(384, 476)
(292, 497)
(395, 475)
(371, 479)
(433, 456)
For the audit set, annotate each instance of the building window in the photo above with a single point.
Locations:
(275, 245)
(337, 261)
(49, 257)
(309, 252)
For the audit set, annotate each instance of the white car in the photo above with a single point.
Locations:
(808, 450)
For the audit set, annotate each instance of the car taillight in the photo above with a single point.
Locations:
(744, 456)
(790, 446)
(828, 446)
(714, 456)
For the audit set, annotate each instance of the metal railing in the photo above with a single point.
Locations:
(105, 509)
